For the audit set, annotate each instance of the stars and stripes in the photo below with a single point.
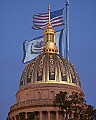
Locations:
(40, 20)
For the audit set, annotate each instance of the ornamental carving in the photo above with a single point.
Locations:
(40, 68)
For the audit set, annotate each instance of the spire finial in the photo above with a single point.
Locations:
(49, 13)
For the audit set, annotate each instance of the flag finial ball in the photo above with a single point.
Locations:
(49, 7)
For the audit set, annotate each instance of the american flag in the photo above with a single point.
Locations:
(40, 20)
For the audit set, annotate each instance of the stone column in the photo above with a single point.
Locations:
(48, 115)
(26, 115)
(40, 113)
(14, 117)
(57, 117)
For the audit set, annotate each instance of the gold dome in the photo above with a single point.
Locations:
(50, 68)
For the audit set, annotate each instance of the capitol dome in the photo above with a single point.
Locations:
(43, 78)
(50, 68)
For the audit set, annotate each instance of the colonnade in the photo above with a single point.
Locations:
(46, 115)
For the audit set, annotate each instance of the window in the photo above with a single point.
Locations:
(21, 83)
(51, 76)
(64, 77)
(44, 115)
(28, 80)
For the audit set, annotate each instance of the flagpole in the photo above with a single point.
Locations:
(67, 29)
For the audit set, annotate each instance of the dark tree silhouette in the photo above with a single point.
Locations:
(31, 116)
(22, 115)
(77, 104)
(74, 106)
(61, 100)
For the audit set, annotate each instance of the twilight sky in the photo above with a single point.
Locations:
(15, 28)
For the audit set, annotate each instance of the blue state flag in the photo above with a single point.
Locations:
(33, 48)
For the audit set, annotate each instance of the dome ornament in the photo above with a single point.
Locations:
(49, 38)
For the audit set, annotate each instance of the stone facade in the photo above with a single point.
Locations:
(39, 98)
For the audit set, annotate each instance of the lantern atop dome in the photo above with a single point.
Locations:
(49, 38)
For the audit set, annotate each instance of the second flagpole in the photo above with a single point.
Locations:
(67, 29)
